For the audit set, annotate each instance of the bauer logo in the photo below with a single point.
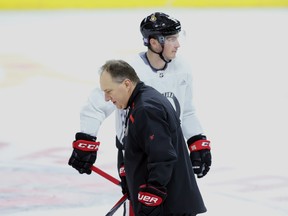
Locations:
(149, 199)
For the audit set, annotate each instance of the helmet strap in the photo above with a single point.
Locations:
(159, 53)
(162, 57)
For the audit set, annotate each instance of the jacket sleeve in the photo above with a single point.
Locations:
(154, 136)
(94, 112)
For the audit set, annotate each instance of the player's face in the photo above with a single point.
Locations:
(117, 93)
(171, 46)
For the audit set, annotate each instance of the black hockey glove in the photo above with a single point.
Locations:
(200, 154)
(122, 176)
(151, 200)
(84, 152)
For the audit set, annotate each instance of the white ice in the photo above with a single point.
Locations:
(48, 66)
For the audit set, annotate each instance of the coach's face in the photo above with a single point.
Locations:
(117, 93)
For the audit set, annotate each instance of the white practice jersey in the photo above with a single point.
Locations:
(174, 82)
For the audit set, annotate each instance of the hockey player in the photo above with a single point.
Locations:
(170, 75)
(159, 173)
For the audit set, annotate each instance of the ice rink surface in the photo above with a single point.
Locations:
(48, 66)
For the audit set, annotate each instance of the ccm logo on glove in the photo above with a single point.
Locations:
(149, 199)
(199, 145)
(85, 145)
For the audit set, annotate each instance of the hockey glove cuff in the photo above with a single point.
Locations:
(84, 152)
(122, 175)
(151, 200)
(200, 154)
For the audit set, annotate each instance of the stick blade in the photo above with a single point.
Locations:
(117, 205)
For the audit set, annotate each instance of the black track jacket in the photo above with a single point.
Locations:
(156, 153)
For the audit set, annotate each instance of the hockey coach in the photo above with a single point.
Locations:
(159, 173)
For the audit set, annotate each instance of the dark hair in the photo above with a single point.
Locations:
(119, 71)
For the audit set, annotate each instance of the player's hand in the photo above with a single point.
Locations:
(122, 175)
(151, 200)
(200, 155)
(84, 152)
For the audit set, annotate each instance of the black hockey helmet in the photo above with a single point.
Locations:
(158, 25)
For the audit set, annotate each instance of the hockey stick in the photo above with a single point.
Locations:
(106, 175)
(117, 205)
(115, 181)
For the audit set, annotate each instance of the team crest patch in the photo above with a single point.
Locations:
(153, 18)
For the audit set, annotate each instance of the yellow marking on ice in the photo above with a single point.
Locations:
(17, 69)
